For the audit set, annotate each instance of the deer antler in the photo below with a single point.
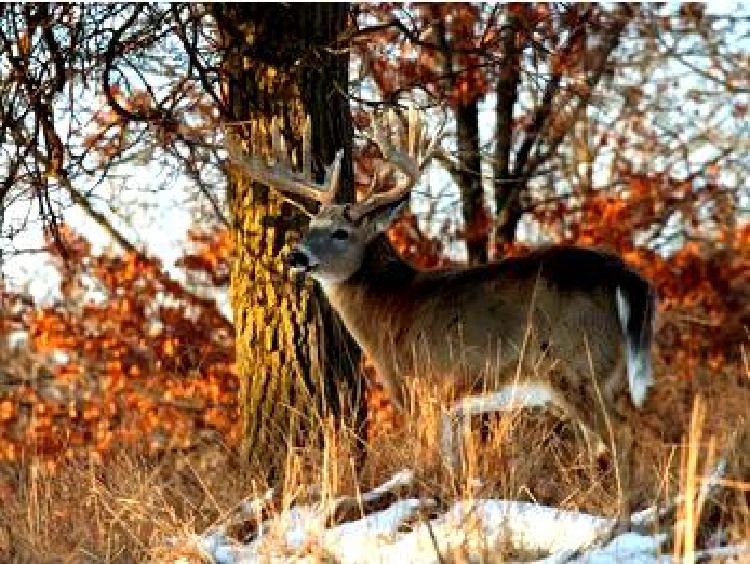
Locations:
(279, 174)
(410, 163)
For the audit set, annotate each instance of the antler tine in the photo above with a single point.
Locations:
(333, 176)
(279, 175)
(411, 163)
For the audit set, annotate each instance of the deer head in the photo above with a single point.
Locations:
(333, 248)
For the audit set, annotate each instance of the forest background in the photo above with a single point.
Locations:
(144, 302)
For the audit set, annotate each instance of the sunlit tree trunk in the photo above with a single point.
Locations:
(293, 356)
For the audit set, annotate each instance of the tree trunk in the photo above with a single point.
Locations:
(468, 176)
(468, 170)
(507, 187)
(293, 355)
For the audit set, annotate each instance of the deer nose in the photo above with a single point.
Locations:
(298, 259)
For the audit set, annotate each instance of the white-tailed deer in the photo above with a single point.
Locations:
(561, 325)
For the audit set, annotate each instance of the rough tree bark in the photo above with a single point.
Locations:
(293, 355)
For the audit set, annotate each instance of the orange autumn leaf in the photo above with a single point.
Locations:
(7, 410)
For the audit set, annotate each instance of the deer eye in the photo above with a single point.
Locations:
(340, 234)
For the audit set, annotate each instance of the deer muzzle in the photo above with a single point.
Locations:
(299, 260)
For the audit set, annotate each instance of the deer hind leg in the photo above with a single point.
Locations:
(594, 382)
(605, 430)
(620, 434)
(613, 430)
(622, 454)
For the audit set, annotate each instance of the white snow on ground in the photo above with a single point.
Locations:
(470, 528)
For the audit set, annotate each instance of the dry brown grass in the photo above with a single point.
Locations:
(127, 507)
(114, 511)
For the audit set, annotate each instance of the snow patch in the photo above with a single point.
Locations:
(411, 530)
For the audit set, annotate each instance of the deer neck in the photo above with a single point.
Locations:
(382, 270)
(373, 302)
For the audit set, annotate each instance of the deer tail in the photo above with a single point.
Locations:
(636, 306)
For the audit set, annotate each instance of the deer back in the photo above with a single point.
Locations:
(554, 305)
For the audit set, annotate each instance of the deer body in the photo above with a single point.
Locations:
(474, 324)
(567, 326)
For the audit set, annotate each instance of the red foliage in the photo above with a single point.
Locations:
(443, 58)
(135, 357)
(420, 250)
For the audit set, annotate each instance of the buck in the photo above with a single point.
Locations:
(563, 325)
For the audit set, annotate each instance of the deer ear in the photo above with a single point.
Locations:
(382, 218)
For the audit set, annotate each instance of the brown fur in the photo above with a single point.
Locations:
(465, 320)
